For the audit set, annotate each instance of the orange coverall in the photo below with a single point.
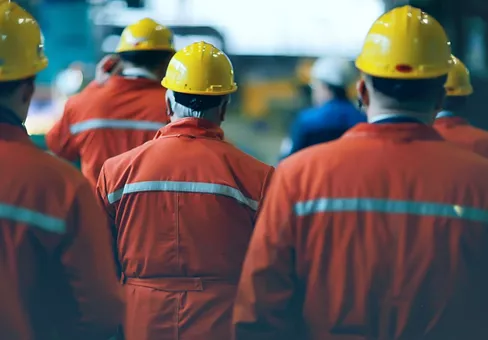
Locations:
(381, 234)
(106, 120)
(57, 269)
(184, 207)
(457, 130)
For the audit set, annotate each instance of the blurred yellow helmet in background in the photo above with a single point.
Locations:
(200, 68)
(406, 43)
(22, 44)
(458, 80)
(146, 35)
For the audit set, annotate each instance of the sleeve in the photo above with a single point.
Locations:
(266, 301)
(59, 139)
(264, 190)
(95, 305)
(102, 198)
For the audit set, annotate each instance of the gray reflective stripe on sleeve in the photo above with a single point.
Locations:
(93, 124)
(32, 218)
(390, 207)
(188, 187)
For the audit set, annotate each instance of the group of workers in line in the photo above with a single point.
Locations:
(176, 234)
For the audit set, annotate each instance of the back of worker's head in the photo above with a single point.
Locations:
(458, 87)
(199, 79)
(404, 62)
(146, 44)
(21, 55)
(330, 79)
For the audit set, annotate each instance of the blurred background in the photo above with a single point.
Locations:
(272, 44)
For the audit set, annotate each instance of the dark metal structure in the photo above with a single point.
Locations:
(466, 24)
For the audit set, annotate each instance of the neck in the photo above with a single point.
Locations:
(375, 114)
(445, 113)
(9, 116)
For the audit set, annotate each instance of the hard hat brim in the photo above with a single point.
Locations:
(203, 93)
(121, 50)
(393, 74)
(41, 66)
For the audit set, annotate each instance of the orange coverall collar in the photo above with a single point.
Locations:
(13, 133)
(403, 131)
(451, 121)
(195, 127)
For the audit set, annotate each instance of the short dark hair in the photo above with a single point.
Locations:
(338, 92)
(148, 59)
(198, 102)
(407, 90)
(8, 87)
(454, 103)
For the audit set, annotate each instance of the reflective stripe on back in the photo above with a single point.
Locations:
(188, 187)
(33, 218)
(390, 207)
(93, 124)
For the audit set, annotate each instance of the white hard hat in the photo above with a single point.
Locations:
(334, 71)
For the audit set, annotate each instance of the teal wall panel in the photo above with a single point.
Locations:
(67, 33)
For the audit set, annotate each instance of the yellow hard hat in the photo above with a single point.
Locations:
(200, 68)
(22, 44)
(458, 80)
(406, 43)
(146, 35)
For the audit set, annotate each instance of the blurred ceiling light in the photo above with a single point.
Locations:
(69, 81)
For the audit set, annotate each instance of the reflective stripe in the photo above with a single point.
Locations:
(33, 218)
(114, 124)
(390, 207)
(188, 187)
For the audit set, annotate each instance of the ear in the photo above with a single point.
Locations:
(27, 90)
(363, 94)
(223, 111)
(169, 110)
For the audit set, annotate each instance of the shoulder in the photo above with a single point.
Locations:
(117, 167)
(51, 180)
(80, 100)
(87, 92)
(329, 115)
(59, 170)
(125, 159)
(312, 156)
(242, 159)
(481, 134)
(468, 160)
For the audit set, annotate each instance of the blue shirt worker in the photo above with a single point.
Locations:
(333, 113)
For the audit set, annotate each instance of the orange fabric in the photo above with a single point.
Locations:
(181, 252)
(56, 261)
(328, 261)
(118, 99)
(460, 132)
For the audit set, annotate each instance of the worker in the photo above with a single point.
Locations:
(56, 259)
(333, 113)
(382, 233)
(106, 120)
(450, 122)
(184, 206)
